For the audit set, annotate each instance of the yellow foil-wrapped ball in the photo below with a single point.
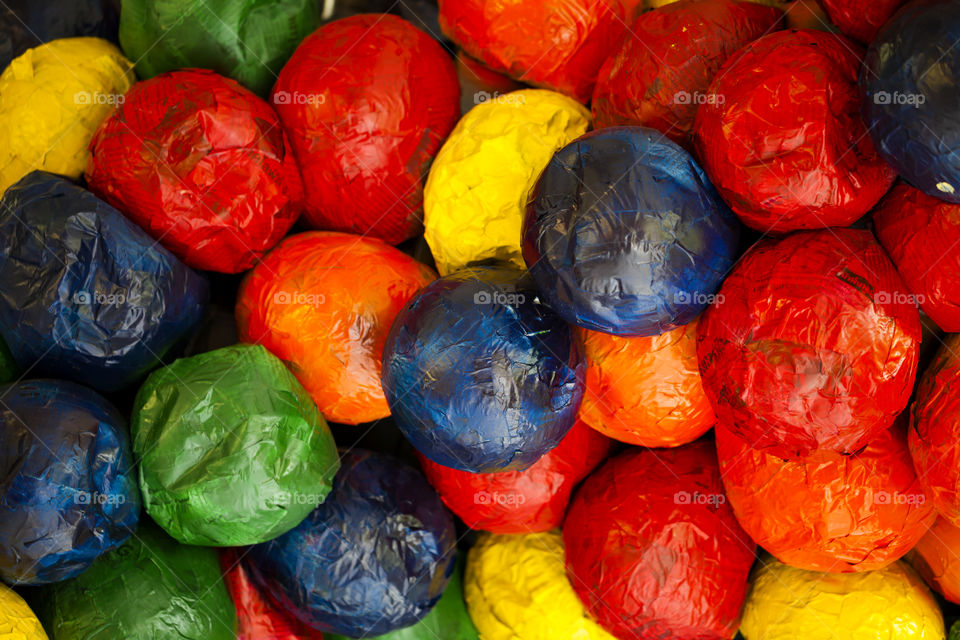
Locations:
(517, 589)
(52, 99)
(786, 603)
(17, 621)
(477, 189)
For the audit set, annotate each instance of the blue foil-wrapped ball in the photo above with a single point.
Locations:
(479, 374)
(85, 294)
(911, 84)
(67, 489)
(624, 233)
(374, 557)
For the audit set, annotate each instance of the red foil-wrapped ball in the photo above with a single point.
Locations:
(323, 303)
(527, 501)
(202, 165)
(367, 101)
(654, 550)
(553, 44)
(829, 511)
(645, 391)
(257, 617)
(660, 76)
(860, 19)
(937, 559)
(812, 343)
(783, 140)
(922, 236)
(935, 430)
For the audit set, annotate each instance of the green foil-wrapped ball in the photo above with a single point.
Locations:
(232, 450)
(149, 588)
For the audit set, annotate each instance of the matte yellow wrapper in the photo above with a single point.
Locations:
(17, 621)
(517, 589)
(786, 603)
(52, 99)
(477, 189)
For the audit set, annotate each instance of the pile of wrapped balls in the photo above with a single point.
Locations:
(480, 319)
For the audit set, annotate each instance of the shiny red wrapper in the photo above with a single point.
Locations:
(937, 559)
(367, 101)
(860, 19)
(553, 44)
(935, 430)
(654, 550)
(812, 343)
(202, 165)
(922, 236)
(783, 140)
(257, 617)
(660, 77)
(527, 501)
(829, 511)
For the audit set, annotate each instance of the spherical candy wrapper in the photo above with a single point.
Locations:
(556, 44)
(231, 449)
(202, 165)
(374, 557)
(516, 589)
(834, 512)
(860, 19)
(921, 234)
(67, 491)
(934, 425)
(521, 501)
(936, 557)
(52, 99)
(25, 24)
(660, 76)
(323, 303)
(645, 505)
(246, 40)
(17, 621)
(479, 375)
(645, 391)
(783, 141)
(148, 588)
(478, 186)
(910, 104)
(85, 294)
(812, 343)
(367, 101)
(787, 603)
(624, 233)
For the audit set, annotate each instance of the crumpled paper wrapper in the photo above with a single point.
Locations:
(860, 19)
(17, 621)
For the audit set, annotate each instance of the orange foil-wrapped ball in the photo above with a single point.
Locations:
(646, 391)
(526, 501)
(323, 303)
(828, 511)
(553, 44)
(937, 559)
(935, 430)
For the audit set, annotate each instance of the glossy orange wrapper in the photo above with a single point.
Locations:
(812, 343)
(323, 303)
(783, 140)
(367, 101)
(935, 430)
(552, 44)
(937, 559)
(860, 19)
(645, 391)
(653, 548)
(528, 501)
(202, 165)
(660, 75)
(829, 511)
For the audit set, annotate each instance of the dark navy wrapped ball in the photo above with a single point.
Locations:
(67, 489)
(624, 233)
(85, 294)
(911, 84)
(480, 375)
(374, 557)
